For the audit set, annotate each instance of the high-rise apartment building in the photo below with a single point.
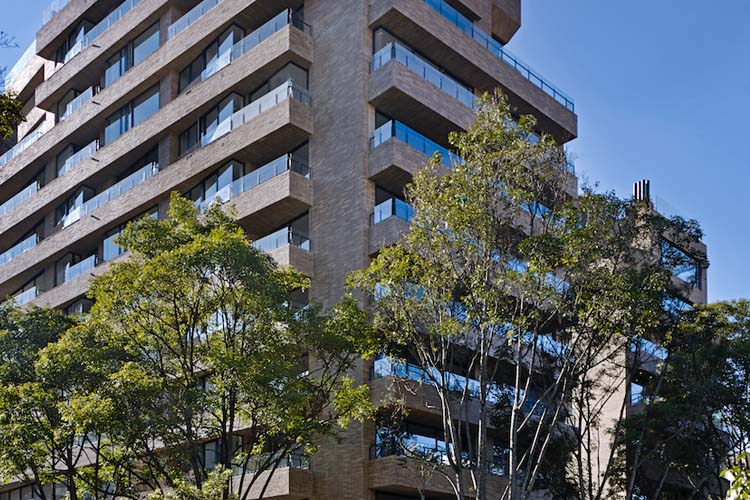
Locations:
(308, 117)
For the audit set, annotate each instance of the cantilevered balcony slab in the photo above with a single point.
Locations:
(278, 129)
(88, 66)
(398, 92)
(393, 164)
(177, 52)
(52, 34)
(401, 475)
(419, 25)
(286, 483)
(387, 233)
(248, 70)
(269, 205)
(296, 257)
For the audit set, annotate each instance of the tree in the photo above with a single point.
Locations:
(739, 478)
(40, 437)
(11, 113)
(697, 419)
(208, 372)
(516, 304)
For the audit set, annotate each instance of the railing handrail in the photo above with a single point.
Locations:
(30, 51)
(136, 178)
(18, 249)
(99, 28)
(396, 129)
(392, 207)
(496, 48)
(81, 267)
(283, 92)
(85, 152)
(26, 296)
(24, 144)
(190, 17)
(394, 51)
(52, 9)
(19, 197)
(77, 102)
(284, 236)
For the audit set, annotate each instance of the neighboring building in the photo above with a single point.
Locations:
(309, 117)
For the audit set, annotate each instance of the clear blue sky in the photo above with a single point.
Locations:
(662, 91)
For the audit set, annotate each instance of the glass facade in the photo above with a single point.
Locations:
(680, 264)
(131, 114)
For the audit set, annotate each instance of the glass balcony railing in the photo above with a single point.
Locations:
(24, 298)
(52, 10)
(19, 198)
(283, 92)
(18, 249)
(388, 367)
(649, 348)
(138, 177)
(392, 208)
(284, 236)
(81, 267)
(395, 52)
(24, 144)
(395, 129)
(294, 460)
(190, 17)
(7, 82)
(390, 443)
(287, 17)
(256, 177)
(82, 154)
(497, 49)
(100, 28)
(76, 103)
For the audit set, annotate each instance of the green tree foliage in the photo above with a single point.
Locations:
(196, 358)
(518, 303)
(698, 413)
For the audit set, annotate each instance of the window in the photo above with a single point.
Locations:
(212, 57)
(146, 44)
(208, 126)
(131, 114)
(65, 214)
(133, 53)
(216, 184)
(291, 72)
(110, 249)
(680, 264)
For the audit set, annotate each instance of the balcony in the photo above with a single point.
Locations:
(396, 52)
(292, 480)
(19, 198)
(19, 249)
(283, 92)
(453, 43)
(268, 196)
(275, 25)
(392, 208)
(95, 32)
(74, 160)
(76, 103)
(282, 237)
(289, 123)
(84, 266)
(190, 17)
(24, 143)
(386, 233)
(398, 152)
(398, 91)
(25, 74)
(497, 49)
(401, 475)
(112, 192)
(25, 297)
